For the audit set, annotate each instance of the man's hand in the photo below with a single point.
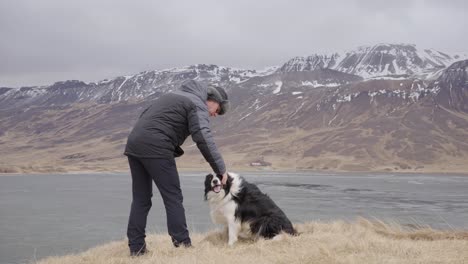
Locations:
(225, 178)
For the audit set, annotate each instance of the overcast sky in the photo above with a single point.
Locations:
(43, 41)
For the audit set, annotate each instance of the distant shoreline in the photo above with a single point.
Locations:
(244, 170)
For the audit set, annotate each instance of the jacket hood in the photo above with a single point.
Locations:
(196, 88)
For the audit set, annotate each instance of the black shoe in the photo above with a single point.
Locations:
(182, 244)
(141, 252)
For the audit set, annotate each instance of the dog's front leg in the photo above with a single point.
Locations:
(233, 231)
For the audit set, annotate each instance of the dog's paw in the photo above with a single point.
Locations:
(232, 241)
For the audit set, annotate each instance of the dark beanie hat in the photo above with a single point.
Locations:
(219, 95)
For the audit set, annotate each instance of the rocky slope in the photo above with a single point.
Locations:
(319, 117)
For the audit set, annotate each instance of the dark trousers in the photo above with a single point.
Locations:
(164, 173)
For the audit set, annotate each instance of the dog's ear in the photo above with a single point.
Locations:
(230, 177)
(208, 177)
(207, 184)
(229, 181)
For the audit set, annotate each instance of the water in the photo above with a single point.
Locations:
(44, 215)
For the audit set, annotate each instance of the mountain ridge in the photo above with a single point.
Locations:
(378, 60)
(320, 119)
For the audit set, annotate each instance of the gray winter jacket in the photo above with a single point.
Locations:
(163, 127)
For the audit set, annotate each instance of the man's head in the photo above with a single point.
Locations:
(217, 101)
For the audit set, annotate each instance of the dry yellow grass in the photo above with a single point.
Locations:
(335, 242)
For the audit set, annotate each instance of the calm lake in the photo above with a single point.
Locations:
(44, 215)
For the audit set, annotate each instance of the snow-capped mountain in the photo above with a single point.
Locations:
(313, 71)
(312, 113)
(142, 86)
(378, 60)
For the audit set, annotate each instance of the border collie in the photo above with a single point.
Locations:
(243, 209)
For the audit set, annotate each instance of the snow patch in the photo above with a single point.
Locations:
(278, 84)
(346, 98)
(387, 78)
(245, 116)
(297, 110)
(316, 84)
(235, 79)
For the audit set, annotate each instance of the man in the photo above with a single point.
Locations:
(154, 143)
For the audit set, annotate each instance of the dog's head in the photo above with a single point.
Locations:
(214, 189)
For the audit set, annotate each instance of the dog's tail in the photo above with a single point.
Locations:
(291, 230)
(294, 232)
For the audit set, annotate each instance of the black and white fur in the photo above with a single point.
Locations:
(244, 209)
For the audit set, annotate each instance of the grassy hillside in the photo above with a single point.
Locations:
(334, 242)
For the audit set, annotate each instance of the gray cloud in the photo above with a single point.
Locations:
(50, 40)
